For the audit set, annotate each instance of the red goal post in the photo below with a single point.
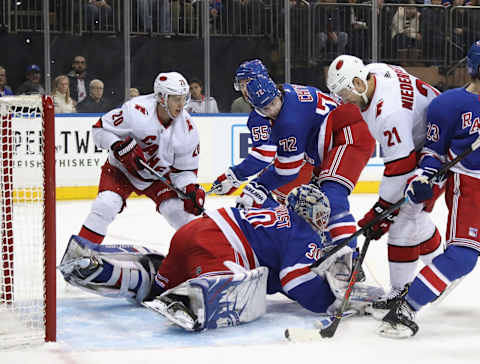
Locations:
(27, 220)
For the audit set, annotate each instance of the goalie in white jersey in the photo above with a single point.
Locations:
(157, 130)
(394, 105)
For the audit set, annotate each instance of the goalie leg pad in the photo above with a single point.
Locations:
(110, 270)
(214, 301)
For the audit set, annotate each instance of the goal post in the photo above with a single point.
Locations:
(27, 220)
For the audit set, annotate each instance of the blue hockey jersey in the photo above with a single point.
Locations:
(263, 149)
(285, 243)
(453, 124)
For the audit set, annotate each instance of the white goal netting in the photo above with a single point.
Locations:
(22, 221)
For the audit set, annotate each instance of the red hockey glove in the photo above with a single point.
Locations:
(381, 227)
(128, 152)
(194, 204)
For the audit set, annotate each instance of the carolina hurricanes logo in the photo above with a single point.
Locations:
(379, 108)
(163, 78)
(339, 65)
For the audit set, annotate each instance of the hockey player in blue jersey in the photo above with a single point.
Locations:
(309, 125)
(263, 150)
(220, 267)
(453, 125)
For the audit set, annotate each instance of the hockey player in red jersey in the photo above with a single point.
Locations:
(156, 130)
(393, 104)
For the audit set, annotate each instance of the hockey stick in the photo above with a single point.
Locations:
(167, 183)
(330, 330)
(438, 175)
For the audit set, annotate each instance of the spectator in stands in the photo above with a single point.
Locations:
(32, 85)
(329, 34)
(95, 102)
(5, 90)
(240, 106)
(406, 28)
(198, 103)
(355, 22)
(79, 79)
(133, 92)
(465, 25)
(64, 104)
(98, 15)
(433, 41)
(154, 16)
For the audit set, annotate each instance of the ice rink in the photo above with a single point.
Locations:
(93, 329)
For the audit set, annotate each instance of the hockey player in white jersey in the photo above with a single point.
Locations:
(394, 105)
(156, 130)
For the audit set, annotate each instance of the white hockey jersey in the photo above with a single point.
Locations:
(173, 149)
(396, 118)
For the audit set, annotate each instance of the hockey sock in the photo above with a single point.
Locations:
(434, 278)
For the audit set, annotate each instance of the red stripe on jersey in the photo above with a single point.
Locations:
(342, 230)
(295, 274)
(403, 254)
(241, 237)
(288, 165)
(91, 235)
(401, 166)
(266, 153)
(98, 124)
(433, 279)
(432, 244)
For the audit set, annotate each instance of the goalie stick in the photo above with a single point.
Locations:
(330, 330)
(169, 184)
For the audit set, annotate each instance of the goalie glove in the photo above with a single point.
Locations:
(128, 152)
(376, 231)
(226, 184)
(194, 204)
(327, 263)
(254, 195)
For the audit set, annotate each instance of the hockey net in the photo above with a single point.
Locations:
(27, 221)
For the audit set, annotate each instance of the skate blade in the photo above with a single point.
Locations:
(394, 331)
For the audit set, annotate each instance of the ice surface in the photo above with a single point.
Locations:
(93, 329)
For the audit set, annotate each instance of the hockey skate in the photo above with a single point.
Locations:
(399, 322)
(176, 309)
(382, 305)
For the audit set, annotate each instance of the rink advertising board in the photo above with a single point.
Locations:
(224, 141)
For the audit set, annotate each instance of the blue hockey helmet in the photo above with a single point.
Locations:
(473, 59)
(312, 204)
(261, 91)
(247, 70)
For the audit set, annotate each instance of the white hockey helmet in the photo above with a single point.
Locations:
(341, 73)
(170, 83)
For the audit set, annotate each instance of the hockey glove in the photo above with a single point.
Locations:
(376, 231)
(194, 204)
(128, 152)
(420, 186)
(226, 184)
(327, 263)
(254, 195)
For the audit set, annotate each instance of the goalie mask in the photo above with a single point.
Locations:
(311, 204)
(170, 84)
(473, 59)
(341, 73)
(248, 70)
